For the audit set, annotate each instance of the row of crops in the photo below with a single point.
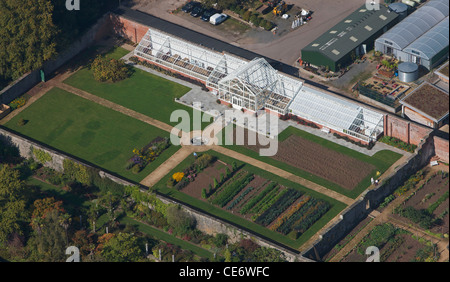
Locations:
(281, 209)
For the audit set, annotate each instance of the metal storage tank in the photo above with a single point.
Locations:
(408, 72)
(400, 8)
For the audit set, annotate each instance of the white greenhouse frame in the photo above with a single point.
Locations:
(256, 85)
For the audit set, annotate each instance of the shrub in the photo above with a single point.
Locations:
(105, 69)
(204, 195)
(254, 19)
(178, 176)
(22, 122)
(204, 161)
(268, 25)
(220, 240)
(171, 182)
(246, 16)
(179, 219)
(77, 172)
(41, 156)
(18, 103)
(392, 141)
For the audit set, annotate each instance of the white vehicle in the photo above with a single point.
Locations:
(217, 18)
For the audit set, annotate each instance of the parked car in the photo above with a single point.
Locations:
(189, 6)
(197, 11)
(208, 13)
(217, 18)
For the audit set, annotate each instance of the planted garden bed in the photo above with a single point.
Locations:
(428, 206)
(250, 196)
(395, 245)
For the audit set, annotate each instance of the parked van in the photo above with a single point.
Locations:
(217, 18)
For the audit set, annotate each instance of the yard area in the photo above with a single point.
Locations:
(143, 92)
(251, 198)
(89, 131)
(323, 162)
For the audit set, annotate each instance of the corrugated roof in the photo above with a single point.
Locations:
(416, 24)
(351, 32)
(432, 42)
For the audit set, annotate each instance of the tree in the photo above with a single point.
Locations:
(50, 238)
(85, 242)
(227, 255)
(27, 36)
(106, 69)
(122, 248)
(41, 208)
(12, 202)
(221, 240)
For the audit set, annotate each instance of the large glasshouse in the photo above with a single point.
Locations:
(421, 38)
(255, 85)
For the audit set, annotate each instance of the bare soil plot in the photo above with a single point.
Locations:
(204, 179)
(325, 163)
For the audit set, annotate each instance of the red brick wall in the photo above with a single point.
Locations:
(404, 130)
(129, 29)
(441, 148)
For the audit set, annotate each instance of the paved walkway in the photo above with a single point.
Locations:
(284, 174)
(166, 167)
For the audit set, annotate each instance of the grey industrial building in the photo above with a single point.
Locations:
(421, 38)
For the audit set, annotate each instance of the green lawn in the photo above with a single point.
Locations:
(89, 131)
(381, 160)
(143, 92)
(238, 221)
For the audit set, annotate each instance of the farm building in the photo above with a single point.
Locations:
(427, 105)
(254, 85)
(421, 38)
(353, 36)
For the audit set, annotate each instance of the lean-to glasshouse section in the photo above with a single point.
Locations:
(337, 114)
(178, 55)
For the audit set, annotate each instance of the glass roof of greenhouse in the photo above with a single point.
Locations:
(258, 79)
(335, 113)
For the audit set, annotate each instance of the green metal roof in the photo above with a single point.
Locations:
(351, 32)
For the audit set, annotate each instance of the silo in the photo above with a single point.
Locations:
(400, 8)
(408, 72)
